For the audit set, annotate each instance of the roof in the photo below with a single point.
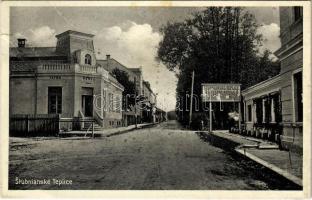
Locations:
(148, 86)
(34, 52)
(135, 69)
(74, 33)
(270, 82)
(103, 63)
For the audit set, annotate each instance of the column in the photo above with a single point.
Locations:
(263, 110)
(272, 110)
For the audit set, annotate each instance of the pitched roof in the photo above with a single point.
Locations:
(34, 52)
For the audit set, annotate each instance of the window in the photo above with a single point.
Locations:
(298, 13)
(118, 104)
(249, 117)
(298, 104)
(267, 111)
(111, 102)
(104, 99)
(54, 100)
(258, 111)
(87, 59)
(273, 114)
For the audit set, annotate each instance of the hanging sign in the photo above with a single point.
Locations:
(220, 92)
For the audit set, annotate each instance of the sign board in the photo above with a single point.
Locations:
(220, 92)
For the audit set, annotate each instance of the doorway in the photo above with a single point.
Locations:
(87, 105)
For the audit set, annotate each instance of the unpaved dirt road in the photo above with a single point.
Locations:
(162, 157)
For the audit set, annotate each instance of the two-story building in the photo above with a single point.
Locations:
(149, 103)
(274, 107)
(64, 80)
(144, 111)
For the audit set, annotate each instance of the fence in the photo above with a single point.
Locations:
(47, 125)
(34, 125)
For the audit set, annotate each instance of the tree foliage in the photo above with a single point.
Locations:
(129, 87)
(220, 44)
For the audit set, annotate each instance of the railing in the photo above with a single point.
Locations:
(81, 116)
(87, 68)
(92, 129)
(76, 124)
(98, 118)
(268, 131)
(55, 68)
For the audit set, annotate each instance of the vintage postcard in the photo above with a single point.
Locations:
(189, 99)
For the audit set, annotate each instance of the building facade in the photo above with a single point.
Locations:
(274, 108)
(64, 80)
(135, 74)
(149, 112)
(146, 110)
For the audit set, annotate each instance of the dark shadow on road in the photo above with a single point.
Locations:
(274, 181)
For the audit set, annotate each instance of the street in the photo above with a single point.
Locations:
(161, 157)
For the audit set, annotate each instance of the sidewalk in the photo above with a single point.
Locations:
(105, 132)
(285, 163)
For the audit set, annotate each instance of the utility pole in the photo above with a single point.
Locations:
(135, 103)
(191, 103)
(210, 112)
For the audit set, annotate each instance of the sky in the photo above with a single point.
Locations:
(129, 34)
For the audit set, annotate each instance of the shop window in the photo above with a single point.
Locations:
(298, 104)
(87, 59)
(298, 12)
(249, 113)
(55, 100)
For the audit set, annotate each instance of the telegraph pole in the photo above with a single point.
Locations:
(210, 112)
(135, 103)
(191, 103)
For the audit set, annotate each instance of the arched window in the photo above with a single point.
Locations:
(88, 59)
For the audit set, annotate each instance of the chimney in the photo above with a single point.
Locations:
(21, 42)
(107, 57)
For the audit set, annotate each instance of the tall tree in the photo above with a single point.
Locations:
(129, 87)
(220, 44)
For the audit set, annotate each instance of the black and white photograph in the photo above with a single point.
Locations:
(140, 98)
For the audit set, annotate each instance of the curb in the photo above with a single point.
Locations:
(237, 148)
(99, 135)
(125, 131)
(270, 166)
(119, 132)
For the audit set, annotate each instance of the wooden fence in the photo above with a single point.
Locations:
(34, 125)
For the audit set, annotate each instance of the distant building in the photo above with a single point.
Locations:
(135, 74)
(274, 108)
(65, 80)
(149, 103)
(146, 111)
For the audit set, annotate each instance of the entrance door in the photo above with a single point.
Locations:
(87, 105)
